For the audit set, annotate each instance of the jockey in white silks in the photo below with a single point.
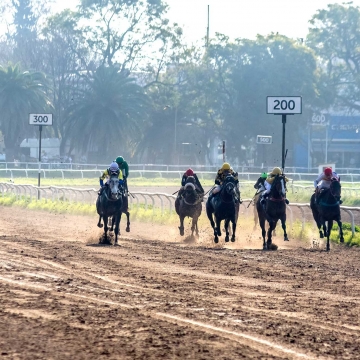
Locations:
(323, 181)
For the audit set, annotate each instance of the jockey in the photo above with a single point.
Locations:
(224, 171)
(113, 168)
(190, 172)
(190, 182)
(323, 181)
(259, 185)
(268, 182)
(124, 167)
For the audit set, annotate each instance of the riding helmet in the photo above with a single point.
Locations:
(226, 166)
(328, 171)
(189, 172)
(264, 175)
(276, 171)
(119, 160)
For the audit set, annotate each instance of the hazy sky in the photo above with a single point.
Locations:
(240, 18)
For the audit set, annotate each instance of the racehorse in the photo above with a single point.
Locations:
(109, 204)
(273, 210)
(189, 205)
(224, 207)
(327, 209)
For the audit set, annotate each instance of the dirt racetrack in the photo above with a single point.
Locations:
(159, 296)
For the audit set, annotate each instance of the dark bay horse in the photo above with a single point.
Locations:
(109, 204)
(224, 207)
(189, 205)
(327, 209)
(273, 210)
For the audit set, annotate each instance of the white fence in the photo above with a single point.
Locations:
(163, 201)
(71, 171)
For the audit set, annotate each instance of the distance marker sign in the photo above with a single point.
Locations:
(41, 119)
(264, 139)
(283, 105)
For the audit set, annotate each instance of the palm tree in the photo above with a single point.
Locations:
(21, 93)
(108, 114)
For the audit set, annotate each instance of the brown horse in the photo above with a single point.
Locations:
(189, 204)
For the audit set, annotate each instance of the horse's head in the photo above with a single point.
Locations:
(278, 187)
(335, 188)
(229, 185)
(190, 195)
(114, 186)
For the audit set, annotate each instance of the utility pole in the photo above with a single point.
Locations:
(208, 27)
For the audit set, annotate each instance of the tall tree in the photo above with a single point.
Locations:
(21, 93)
(335, 36)
(127, 32)
(247, 71)
(108, 116)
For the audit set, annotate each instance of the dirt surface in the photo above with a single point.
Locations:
(159, 296)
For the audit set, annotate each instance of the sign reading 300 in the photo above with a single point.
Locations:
(286, 105)
(41, 119)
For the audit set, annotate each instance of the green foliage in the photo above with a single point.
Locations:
(111, 110)
(335, 36)
(20, 93)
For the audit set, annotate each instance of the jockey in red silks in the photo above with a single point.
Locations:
(190, 172)
(323, 181)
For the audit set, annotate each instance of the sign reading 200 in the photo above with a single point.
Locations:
(284, 105)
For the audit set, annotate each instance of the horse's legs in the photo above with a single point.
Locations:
(127, 221)
(99, 224)
(117, 226)
(340, 229)
(316, 215)
(227, 221)
(106, 241)
(283, 225)
(263, 231)
(196, 227)
(256, 217)
(112, 223)
(272, 225)
(218, 225)
(330, 225)
(209, 214)
(181, 227)
(233, 220)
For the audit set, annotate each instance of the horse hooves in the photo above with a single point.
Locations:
(342, 240)
(321, 235)
(227, 238)
(265, 247)
(127, 229)
(286, 238)
(233, 239)
(100, 225)
(216, 240)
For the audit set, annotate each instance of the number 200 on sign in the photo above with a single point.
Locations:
(284, 105)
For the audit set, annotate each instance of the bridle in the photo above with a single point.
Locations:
(282, 196)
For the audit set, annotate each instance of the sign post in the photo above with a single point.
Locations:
(40, 120)
(263, 140)
(283, 105)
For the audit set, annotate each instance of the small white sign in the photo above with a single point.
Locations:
(264, 139)
(284, 105)
(41, 119)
